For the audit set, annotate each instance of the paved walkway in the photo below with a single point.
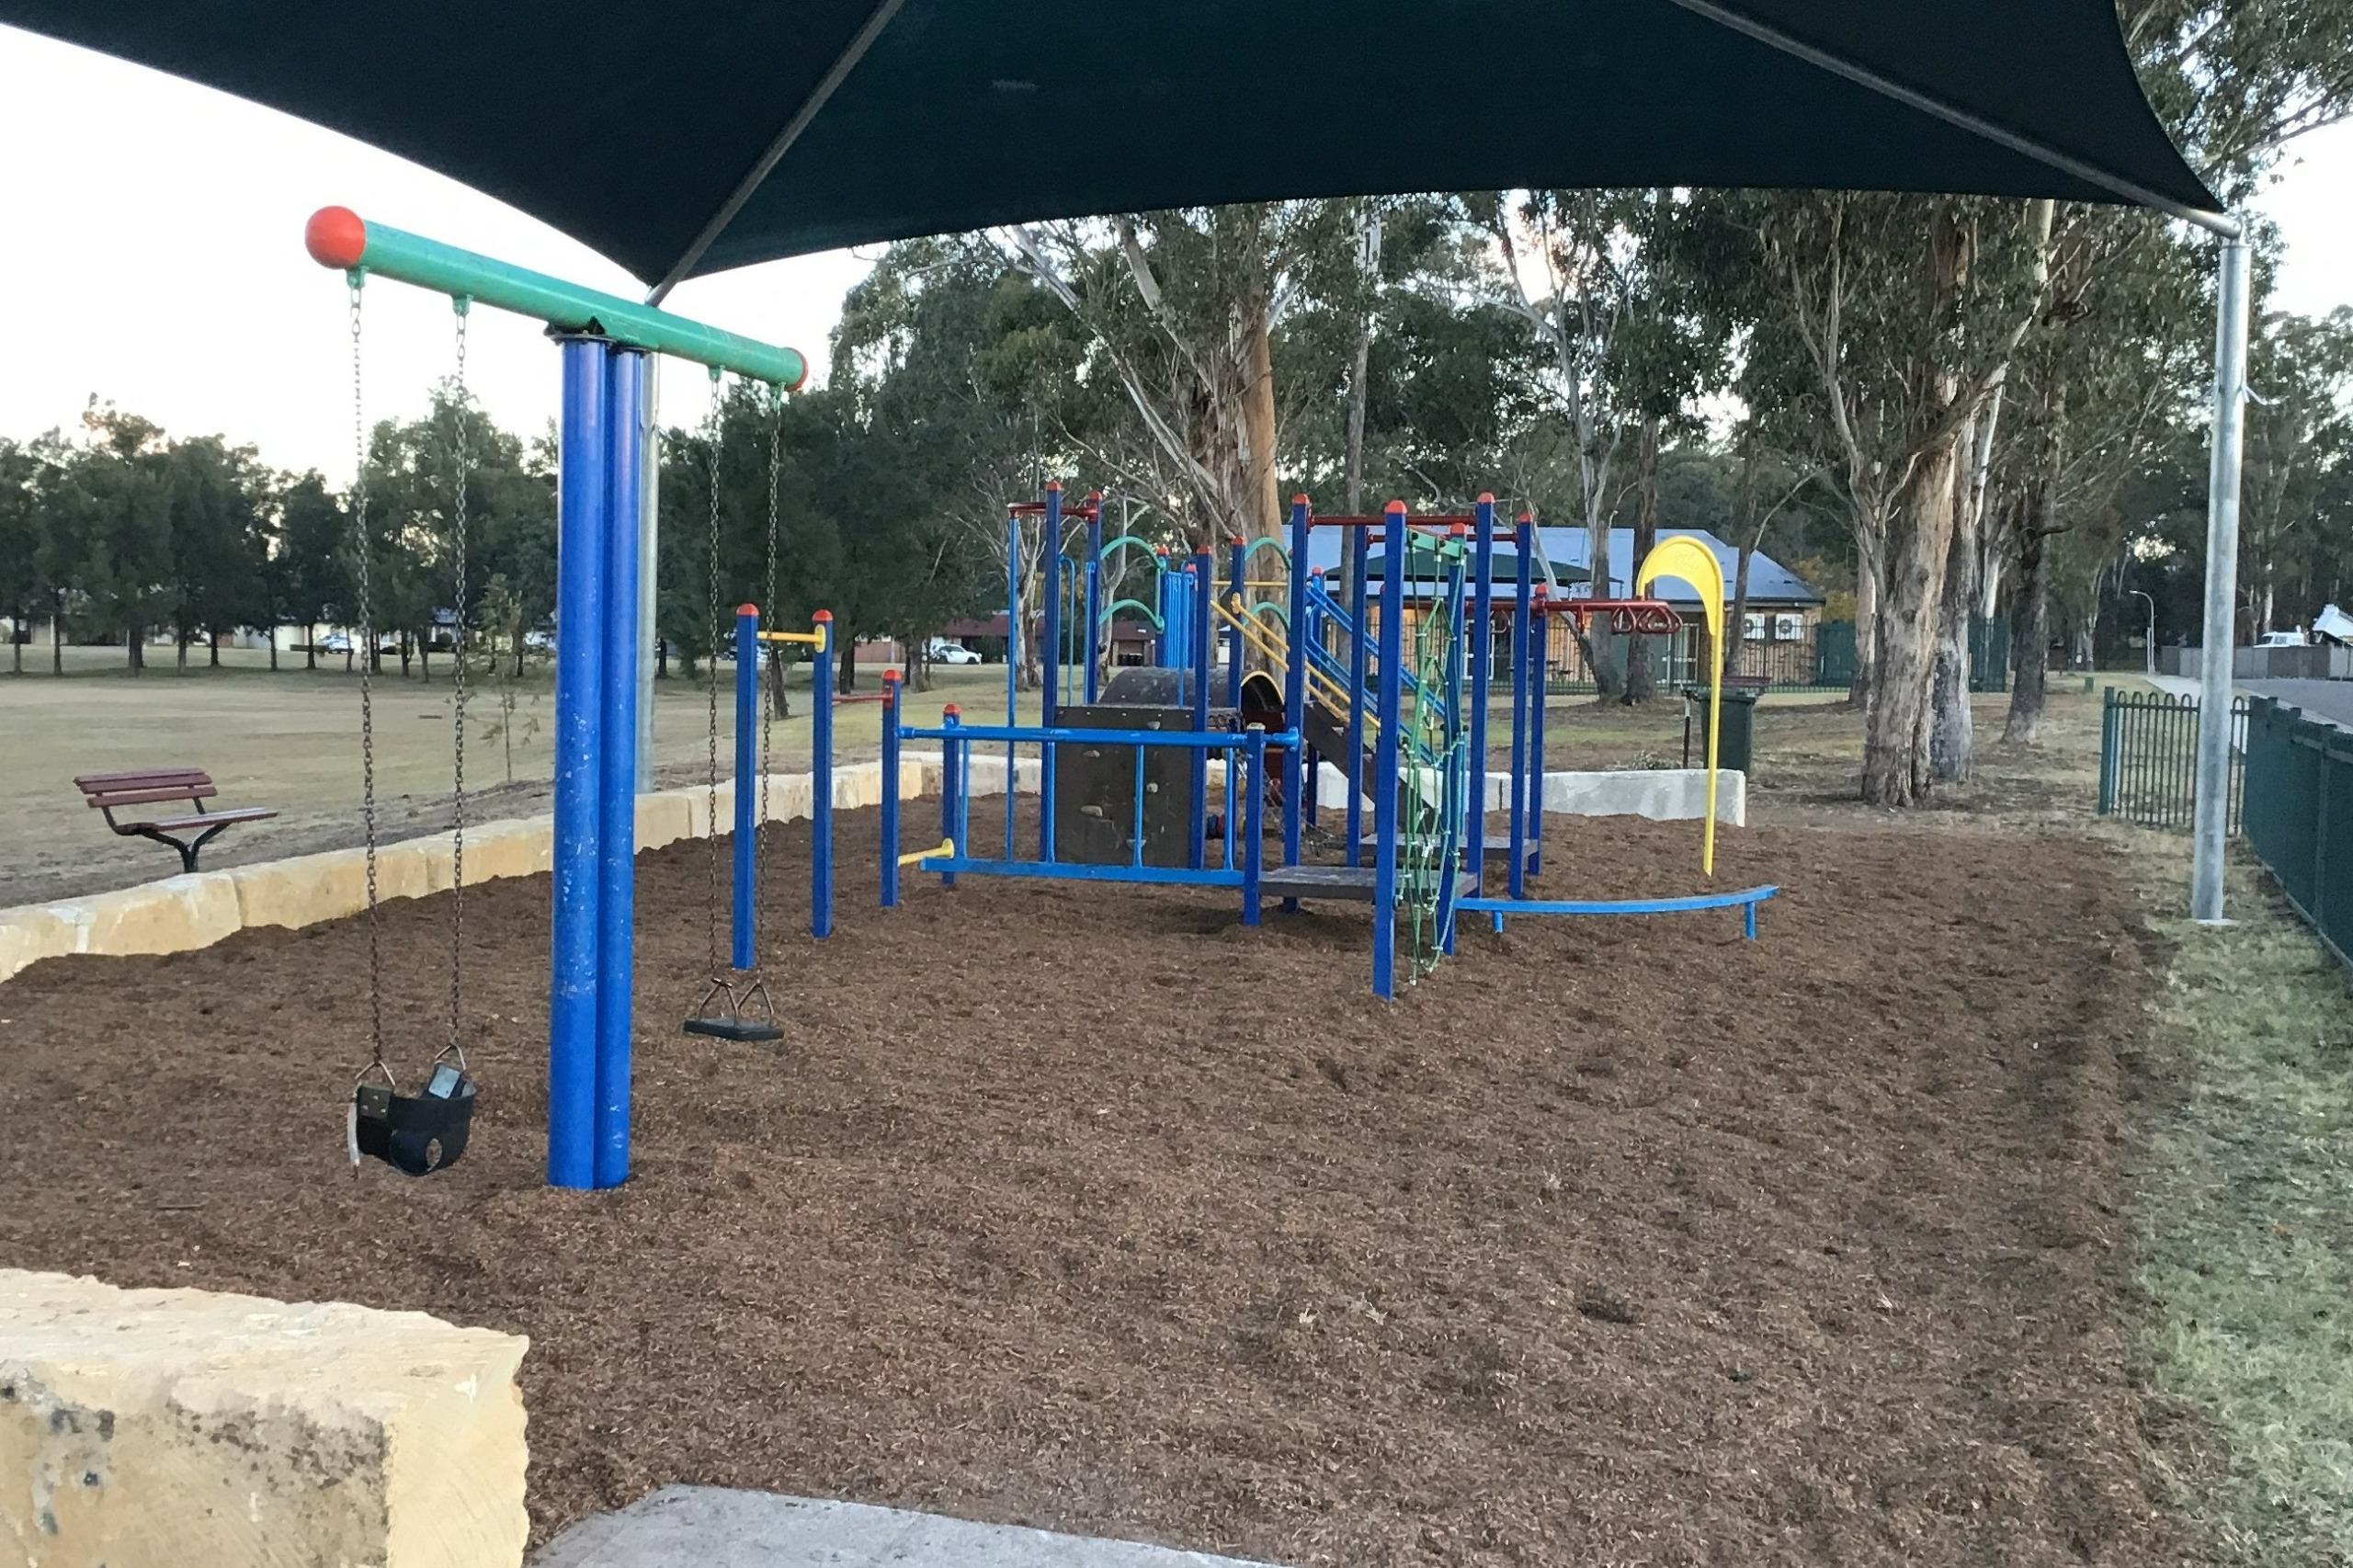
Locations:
(710, 1527)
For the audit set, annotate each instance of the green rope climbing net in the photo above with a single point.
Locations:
(1435, 769)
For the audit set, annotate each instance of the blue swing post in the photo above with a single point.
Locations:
(952, 753)
(1050, 658)
(744, 952)
(576, 981)
(1238, 595)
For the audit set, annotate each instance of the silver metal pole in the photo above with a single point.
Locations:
(2212, 818)
(649, 555)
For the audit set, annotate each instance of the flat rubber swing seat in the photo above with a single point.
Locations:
(722, 1025)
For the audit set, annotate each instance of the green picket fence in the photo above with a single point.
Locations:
(2148, 759)
(2299, 815)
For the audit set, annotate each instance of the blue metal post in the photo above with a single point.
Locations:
(1523, 632)
(1299, 782)
(820, 780)
(889, 788)
(579, 690)
(1359, 648)
(1014, 636)
(1254, 812)
(745, 952)
(1537, 650)
(1052, 657)
(1385, 758)
(951, 789)
(1483, 653)
(1204, 650)
(617, 803)
(1095, 597)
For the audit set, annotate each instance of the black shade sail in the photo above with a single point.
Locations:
(647, 130)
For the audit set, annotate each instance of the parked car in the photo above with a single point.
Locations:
(335, 642)
(2280, 640)
(939, 651)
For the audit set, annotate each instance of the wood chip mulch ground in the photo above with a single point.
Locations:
(1612, 1242)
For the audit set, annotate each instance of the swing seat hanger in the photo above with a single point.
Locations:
(737, 1011)
(416, 1134)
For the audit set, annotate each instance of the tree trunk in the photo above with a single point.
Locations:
(212, 650)
(407, 656)
(424, 655)
(2029, 630)
(135, 649)
(1265, 497)
(845, 668)
(310, 644)
(1919, 538)
(180, 650)
(780, 700)
(1858, 685)
(1953, 739)
(1641, 681)
(57, 633)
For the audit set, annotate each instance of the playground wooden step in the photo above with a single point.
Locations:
(1497, 844)
(1352, 882)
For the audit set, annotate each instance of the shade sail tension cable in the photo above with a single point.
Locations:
(810, 106)
(1976, 125)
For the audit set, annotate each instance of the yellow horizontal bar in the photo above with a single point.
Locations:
(947, 847)
(815, 639)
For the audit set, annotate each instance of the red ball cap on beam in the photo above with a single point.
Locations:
(336, 237)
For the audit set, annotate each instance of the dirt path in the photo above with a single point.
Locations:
(1609, 1243)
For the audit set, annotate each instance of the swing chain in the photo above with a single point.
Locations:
(367, 696)
(464, 467)
(767, 607)
(712, 431)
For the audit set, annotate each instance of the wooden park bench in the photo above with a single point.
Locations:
(112, 792)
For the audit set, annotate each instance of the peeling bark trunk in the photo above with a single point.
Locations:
(1859, 686)
(2029, 635)
(1919, 538)
(1952, 738)
(1259, 479)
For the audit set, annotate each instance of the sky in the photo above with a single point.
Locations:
(151, 234)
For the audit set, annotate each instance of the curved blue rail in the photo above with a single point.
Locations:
(1746, 901)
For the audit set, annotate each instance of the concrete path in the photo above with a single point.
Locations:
(711, 1526)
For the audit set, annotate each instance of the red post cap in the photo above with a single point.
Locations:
(747, 610)
(1299, 499)
(1458, 529)
(890, 677)
(824, 615)
(1527, 517)
(1233, 539)
(1394, 506)
(1487, 498)
(336, 237)
(951, 711)
(1094, 497)
(1054, 484)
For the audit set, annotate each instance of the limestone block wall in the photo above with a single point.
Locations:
(181, 912)
(165, 1428)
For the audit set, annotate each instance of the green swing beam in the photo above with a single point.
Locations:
(338, 237)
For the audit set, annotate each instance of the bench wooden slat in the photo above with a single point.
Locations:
(141, 779)
(110, 798)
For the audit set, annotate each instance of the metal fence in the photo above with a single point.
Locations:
(1801, 654)
(2299, 815)
(2148, 759)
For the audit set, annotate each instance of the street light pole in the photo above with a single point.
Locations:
(2149, 644)
(2211, 817)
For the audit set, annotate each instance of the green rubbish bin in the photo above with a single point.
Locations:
(1737, 746)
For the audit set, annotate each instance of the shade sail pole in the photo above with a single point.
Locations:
(1952, 114)
(835, 74)
(648, 564)
(2211, 820)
